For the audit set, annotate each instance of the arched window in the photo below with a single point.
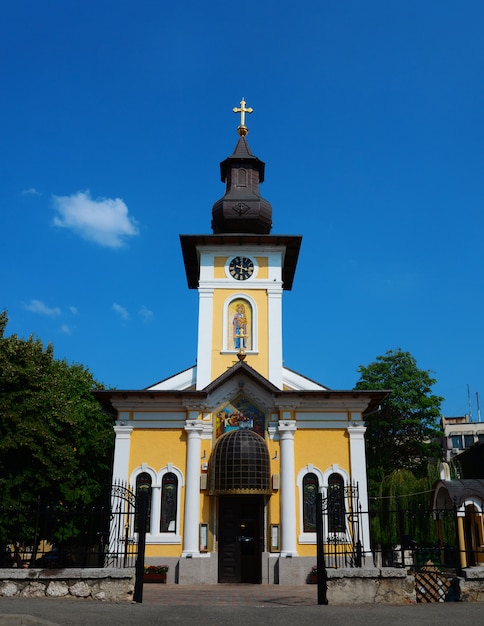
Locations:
(169, 492)
(240, 333)
(241, 178)
(336, 504)
(310, 490)
(143, 480)
(309, 482)
(239, 323)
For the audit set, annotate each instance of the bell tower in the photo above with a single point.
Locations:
(240, 272)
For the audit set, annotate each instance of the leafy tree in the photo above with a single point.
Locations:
(55, 443)
(405, 433)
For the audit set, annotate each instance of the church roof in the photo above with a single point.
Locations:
(242, 209)
(242, 154)
(458, 491)
(165, 392)
(191, 255)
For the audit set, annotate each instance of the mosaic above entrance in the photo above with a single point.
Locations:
(240, 414)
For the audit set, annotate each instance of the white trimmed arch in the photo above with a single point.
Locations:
(307, 469)
(142, 469)
(154, 535)
(254, 326)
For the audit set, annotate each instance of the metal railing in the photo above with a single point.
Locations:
(47, 535)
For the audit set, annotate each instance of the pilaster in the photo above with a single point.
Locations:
(194, 429)
(287, 429)
(122, 447)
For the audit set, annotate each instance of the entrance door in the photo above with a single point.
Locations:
(240, 539)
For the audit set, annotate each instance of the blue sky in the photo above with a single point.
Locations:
(369, 116)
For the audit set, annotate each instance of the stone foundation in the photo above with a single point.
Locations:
(107, 585)
(472, 585)
(370, 585)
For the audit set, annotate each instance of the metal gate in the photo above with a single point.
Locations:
(122, 545)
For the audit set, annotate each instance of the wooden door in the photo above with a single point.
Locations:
(240, 539)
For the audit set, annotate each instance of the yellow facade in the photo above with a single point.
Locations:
(221, 361)
(293, 434)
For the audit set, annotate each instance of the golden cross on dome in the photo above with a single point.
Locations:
(242, 129)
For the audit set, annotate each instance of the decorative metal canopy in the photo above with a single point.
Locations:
(240, 464)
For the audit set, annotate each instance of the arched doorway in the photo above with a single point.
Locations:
(239, 474)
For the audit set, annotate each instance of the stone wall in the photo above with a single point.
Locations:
(369, 585)
(472, 585)
(366, 585)
(99, 584)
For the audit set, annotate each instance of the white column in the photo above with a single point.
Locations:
(156, 509)
(287, 428)
(274, 337)
(204, 352)
(194, 429)
(358, 476)
(122, 446)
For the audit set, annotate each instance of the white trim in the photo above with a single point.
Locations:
(474, 502)
(154, 535)
(191, 537)
(274, 334)
(356, 434)
(178, 382)
(323, 478)
(298, 382)
(287, 429)
(122, 446)
(305, 537)
(335, 469)
(205, 335)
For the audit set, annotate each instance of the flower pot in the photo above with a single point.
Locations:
(155, 578)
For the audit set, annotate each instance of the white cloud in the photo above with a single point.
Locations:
(146, 314)
(65, 329)
(31, 192)
(121, 311)
(104, 221)
(74, 310)
(37, 306)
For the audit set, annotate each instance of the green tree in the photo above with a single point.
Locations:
(55, 443)
(405, 433)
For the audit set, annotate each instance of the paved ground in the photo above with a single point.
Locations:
(233, 605)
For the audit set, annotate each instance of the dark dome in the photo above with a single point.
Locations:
(240, 464)
(242, 209)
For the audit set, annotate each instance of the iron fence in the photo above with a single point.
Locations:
(56, 535)
(414, 537)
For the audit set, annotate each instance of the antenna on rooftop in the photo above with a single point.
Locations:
(478, 407)
(469, 401)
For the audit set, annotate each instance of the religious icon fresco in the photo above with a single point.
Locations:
(240, 414)
(240, 325)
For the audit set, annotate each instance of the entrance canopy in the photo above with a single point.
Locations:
(240, 464)
(446, 493)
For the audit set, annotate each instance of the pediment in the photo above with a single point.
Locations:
(241, 381)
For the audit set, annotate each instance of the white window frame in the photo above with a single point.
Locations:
(155, 536)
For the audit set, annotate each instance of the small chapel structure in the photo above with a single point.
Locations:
(235, 448)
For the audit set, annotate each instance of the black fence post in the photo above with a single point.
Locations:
(320, 561)
(142, 513)
(401, 529)
(459, 548)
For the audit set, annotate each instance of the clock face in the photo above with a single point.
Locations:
(241, 268)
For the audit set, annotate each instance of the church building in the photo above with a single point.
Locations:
(235, 448)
